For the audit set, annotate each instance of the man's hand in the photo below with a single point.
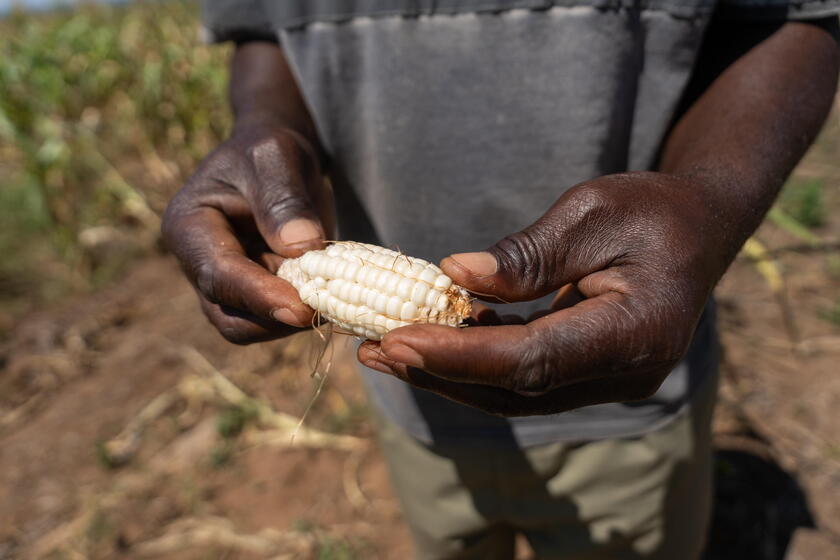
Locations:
(256, 199)
(644, 250)
(637, 247)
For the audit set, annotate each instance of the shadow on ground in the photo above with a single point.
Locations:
(758, 506)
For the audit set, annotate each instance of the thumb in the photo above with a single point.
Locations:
(282, 200)
(523, 266)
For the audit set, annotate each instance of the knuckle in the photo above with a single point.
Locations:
(589, 197)
(285, 204)
(534, 376)
(658, 360)
(528, 253)
(207, 279)
(269, 148)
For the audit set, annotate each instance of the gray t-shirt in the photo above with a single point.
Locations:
(452, 124)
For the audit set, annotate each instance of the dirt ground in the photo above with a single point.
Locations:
(129, 429)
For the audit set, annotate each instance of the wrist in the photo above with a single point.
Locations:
(705, 226)
(254, 129)
(265, 97)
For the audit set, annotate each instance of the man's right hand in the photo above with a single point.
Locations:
(248, 206)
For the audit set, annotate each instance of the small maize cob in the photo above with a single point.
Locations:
(370, 290)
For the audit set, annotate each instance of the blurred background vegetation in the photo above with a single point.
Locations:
(104, 110)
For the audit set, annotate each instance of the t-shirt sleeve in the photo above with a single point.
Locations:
(765, 10)
(236, 20)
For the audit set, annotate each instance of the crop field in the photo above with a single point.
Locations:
(130, 429)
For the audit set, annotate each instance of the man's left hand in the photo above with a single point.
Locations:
(637, 254)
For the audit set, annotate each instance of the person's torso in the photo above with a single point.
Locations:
(448, 131)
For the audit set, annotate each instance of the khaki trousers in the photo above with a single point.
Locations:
(644, 497)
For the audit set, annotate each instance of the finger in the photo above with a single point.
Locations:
(482, 355)
(507, 403)
(241, 328)
(563, 246)
(215, 262)
(490, 399)
(280, 195)
(523, 266)
(600, 337)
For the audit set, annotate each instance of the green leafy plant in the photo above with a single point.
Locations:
(803, 201)
(832, 314)
(231, 421)
(104, 110)
(332, 548)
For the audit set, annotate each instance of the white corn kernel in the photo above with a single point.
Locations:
(351, 271)
(381, 305)
(408, 311)
(415, 270)
(341, 309)
(419, 293)
(382, 280)
(361, 274)
(332, 304)
(371, 277)
(394, 304)
(351, 313)
(370, 298)
(443, 282)
(340, 267)
(305, 292)
(344, 291)
(404, 288)
(431, 298)
(355, 294)
(393, 282)
(334, 287)
(428, 275)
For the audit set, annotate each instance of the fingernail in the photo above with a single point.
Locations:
(285, 316)
(480, 264)
(301, 232)
(403, 354)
